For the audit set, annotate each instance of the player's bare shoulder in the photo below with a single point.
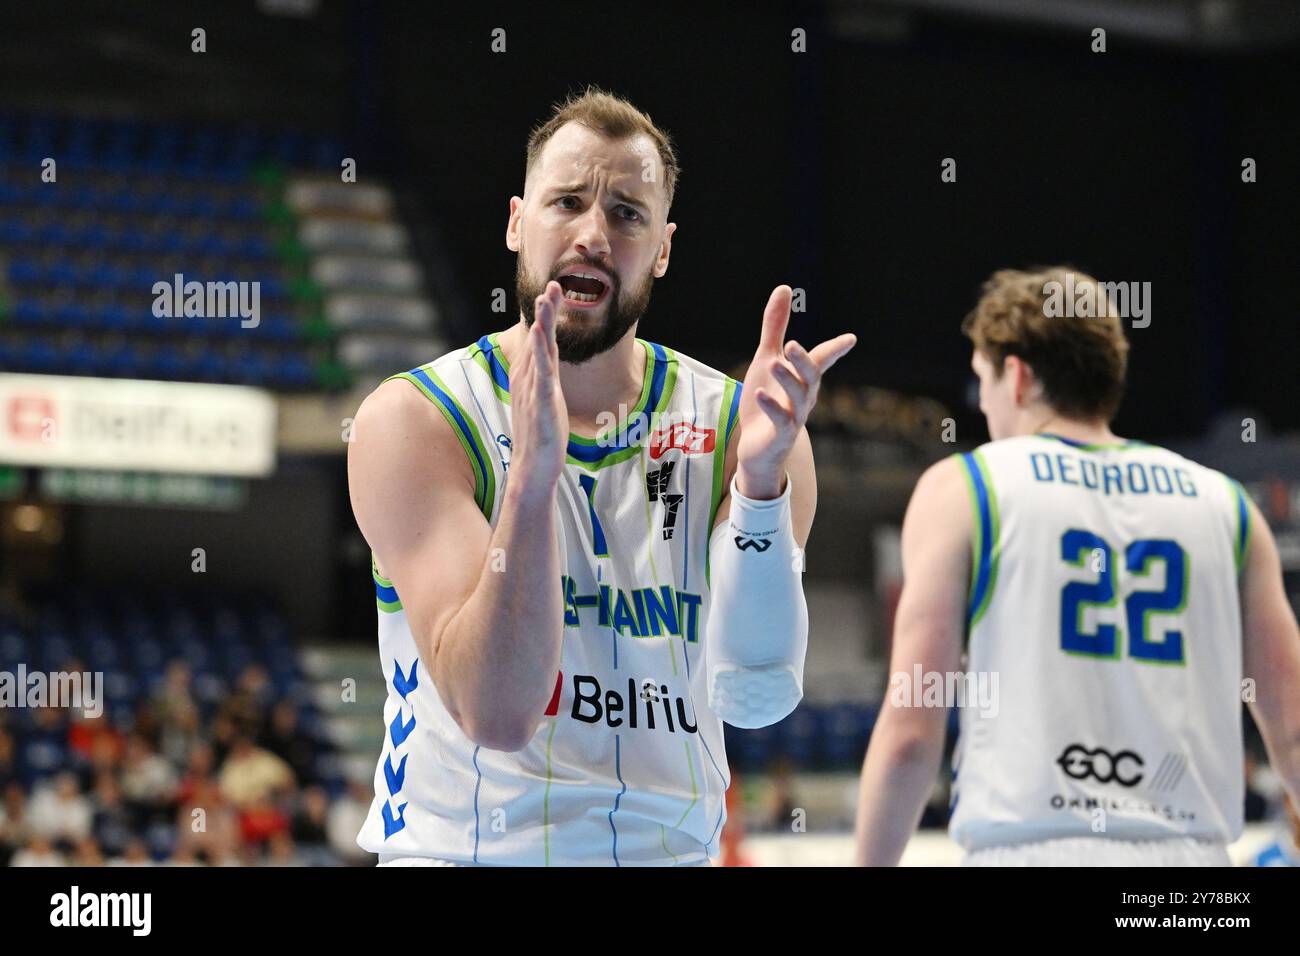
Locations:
(412, 492)
(400, 440)
(941, 500)
(944, 479)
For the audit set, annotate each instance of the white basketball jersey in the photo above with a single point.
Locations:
(627, 765)
(1104, 601)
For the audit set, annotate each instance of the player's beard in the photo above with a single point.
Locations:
(581, 337)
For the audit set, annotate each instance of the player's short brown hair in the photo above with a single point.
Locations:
(612, 117)
(1081, 360)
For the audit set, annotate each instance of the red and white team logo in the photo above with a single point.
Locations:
(683, 436)
(28, 416)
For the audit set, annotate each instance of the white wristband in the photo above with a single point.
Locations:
(757, 634)
(759, 520)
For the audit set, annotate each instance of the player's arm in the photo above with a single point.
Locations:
(1271, 653)
(803, 485)
(906, 748)
(757, 632)
(483, 604)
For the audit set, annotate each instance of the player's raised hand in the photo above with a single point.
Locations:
(779, 392)
(538, 414)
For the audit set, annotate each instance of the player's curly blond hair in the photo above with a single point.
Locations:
(612, 117)
(1080, 360)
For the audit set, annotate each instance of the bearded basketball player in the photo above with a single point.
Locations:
(586, 546)
(1127, 599)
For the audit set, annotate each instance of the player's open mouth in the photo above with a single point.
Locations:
(583, 287)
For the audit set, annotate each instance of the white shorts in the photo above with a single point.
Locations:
(1102, 851)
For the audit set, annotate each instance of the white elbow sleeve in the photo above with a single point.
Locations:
(757, 635)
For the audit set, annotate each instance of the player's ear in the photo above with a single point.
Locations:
(1014, 369)
(665, 251)
(1028, 388)
(513, 224)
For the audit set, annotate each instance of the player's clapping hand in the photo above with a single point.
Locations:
(538, 414)
(779, 392)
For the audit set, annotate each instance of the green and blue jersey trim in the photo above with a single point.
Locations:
(436, 390)
(1130, 445)
(622, 441)
(986, 545)
(484, 353)
(1242, 542)
(385, 595)
(626, 438)
(652, 371)
(728, 413)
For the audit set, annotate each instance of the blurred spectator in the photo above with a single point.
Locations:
(262, 821)
(733, 831)
(252, 775)
(88, 853)
(93, 742)
(198, 771)
(8, 760)
(282, 737)
(282, 852)
(59, 812)
(148, 781)
(781, 806)
(136, 854)
(113, 825)
(206, 825)
(173, 694)
(38, 852)
(183, 856)
(310, 824)
(44, 749)
(344, 821)
(13, 822)
(106, 754)
(246, 707)
(222, 736)
(180, 733)
(145, 724)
